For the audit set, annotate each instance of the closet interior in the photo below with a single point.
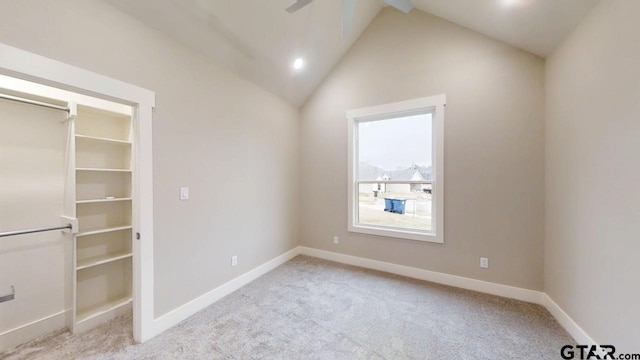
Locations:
(98, 194)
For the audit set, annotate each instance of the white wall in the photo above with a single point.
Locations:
(494, 138)
(32, 158)
(213, 131)
(592, 267)
(221, 135)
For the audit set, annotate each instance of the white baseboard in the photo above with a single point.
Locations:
(532, 296)
(579, 335)
(174, 317)
(32, 330)
(19, 335)
(95, 321)
(537, 297)
(512, 292)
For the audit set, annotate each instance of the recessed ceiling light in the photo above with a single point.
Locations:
(518, 3)
(298, 64)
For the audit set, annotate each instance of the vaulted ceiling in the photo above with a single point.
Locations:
(259, 40)
(537, 26)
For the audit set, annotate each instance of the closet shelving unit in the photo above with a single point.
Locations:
(102, 147)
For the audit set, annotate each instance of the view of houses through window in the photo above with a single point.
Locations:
(394, 172)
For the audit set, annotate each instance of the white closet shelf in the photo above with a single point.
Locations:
(104, 170)
(102, 139)
(91, 313)
(103, 259)
(96, 201)
(104, 161)
(103, 230)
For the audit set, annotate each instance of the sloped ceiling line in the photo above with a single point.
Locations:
(259, 40)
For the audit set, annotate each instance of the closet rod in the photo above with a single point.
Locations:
(37, 230)
(33, 102)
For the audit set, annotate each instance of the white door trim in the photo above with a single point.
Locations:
(28, 66)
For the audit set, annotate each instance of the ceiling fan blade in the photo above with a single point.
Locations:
(299, 4)
(348, 9)
(403, 5)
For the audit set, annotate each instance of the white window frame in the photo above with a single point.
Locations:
(434, 105)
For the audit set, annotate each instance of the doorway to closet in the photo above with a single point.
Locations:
(76, 223)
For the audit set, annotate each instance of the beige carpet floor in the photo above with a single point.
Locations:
(315, 309)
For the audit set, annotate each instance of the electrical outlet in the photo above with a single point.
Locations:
(234, 260)
(484, 263)
(336, 240)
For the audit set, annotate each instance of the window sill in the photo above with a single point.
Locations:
(396, 233)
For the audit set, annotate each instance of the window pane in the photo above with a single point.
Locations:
(398, 149)
(395, 208)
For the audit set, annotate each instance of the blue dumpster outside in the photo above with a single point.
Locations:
(388, 204)
(394, 205)
(398, 206)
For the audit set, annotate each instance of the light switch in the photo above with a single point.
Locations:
(184, 193)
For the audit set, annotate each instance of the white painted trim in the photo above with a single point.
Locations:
(400, 106)
(43, 326)
(143, 275)
(32, 88)
(185, 311)
(93, 322)
(434, 105)
(532, 296)
(32, 67)
(39, 69)
(174, 317)
(32, 330)
(512, 292)
(578, 334)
